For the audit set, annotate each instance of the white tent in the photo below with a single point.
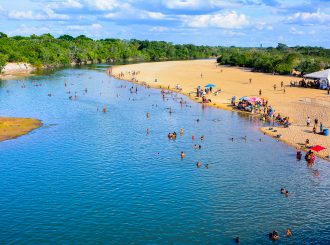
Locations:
(323, 76)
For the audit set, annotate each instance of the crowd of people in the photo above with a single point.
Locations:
(267, 113)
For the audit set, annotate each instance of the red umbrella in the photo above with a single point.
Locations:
(318, 148)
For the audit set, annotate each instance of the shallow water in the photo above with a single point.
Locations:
(89, 177)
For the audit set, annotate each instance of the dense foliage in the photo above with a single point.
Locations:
(48, 50)
(282, 59)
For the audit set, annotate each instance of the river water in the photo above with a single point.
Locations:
(92, 177)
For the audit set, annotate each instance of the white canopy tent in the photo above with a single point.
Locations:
(323, 76)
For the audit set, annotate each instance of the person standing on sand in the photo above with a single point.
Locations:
(308, 121)
(321, 127)
(282, 84)
(274, 87)
(259, 92)
(316, 122)
(250, 80)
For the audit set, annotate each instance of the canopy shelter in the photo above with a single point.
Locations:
(244, 98)
(323, 76)
(210, 85)
(318, 148)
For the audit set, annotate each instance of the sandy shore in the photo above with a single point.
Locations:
(297, 103)
(11, 128)
(16, 70)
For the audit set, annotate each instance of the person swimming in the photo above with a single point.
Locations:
(288, 232)
(274, 236)
(199, 164)
(286, 193)
(104, 109)
(202, 137)
(282, 190)
(183, 155)
(237, 240)
(207, 166)
(299, 155)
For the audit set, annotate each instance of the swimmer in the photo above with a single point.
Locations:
(207, 166)
(197, 120)
(104, 109)
(299, 155)
(199, 164)
(181, 131)
(202, 137)
(237, 240)
(148, 130)
(183, 155)
(274, 236)
(288, 232)
(199, 147)
(282, 190)
(286, 193)
(316, 173)
(148, 115)
(193, 137)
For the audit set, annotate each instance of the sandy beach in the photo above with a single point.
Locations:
(11, 128)
(294, 102)
(12, 70)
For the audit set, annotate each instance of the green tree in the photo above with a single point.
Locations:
(3, 61)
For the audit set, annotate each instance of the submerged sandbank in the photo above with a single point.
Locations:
(11, 128)
(294, 102)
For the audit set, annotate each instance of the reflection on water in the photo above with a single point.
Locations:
(93, 177)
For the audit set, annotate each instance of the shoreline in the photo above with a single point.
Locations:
(13, 127)
(289, 135)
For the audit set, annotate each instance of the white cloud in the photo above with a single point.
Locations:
(93, 27)
(221, 20)
(294, 30)
(159, 29)
(310, 18)
(46, 14)
(29, 30)
(106, 5)
(183, 4)
(132, 13)
(198, 4)
(66, 4)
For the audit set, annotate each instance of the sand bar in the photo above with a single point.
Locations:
(297, 103)
(11, 128)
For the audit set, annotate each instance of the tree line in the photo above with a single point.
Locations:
(280, 60)
(46, 50)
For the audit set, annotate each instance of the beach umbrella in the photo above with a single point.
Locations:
(244, 98)
(318, 148)
(254, 99)
(210, 85)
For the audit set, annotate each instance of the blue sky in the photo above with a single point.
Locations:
(201, 22)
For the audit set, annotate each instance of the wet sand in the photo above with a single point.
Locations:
(296, 103)
(11, 128)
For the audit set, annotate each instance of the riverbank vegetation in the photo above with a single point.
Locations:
(46, 50)
(281, 60)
